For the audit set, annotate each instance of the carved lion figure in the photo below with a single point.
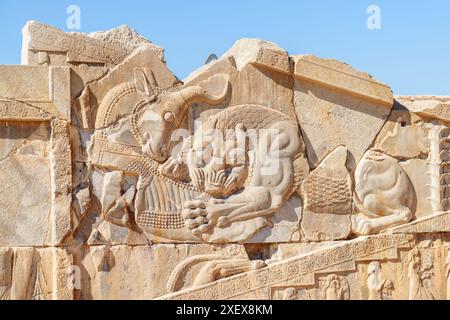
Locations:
(250, 159)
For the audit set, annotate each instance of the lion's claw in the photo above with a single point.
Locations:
(200, 216)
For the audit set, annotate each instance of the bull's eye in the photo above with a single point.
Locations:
(168, 116)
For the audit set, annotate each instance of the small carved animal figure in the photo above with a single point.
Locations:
(384, 195)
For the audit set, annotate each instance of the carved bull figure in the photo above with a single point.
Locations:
(134, 127)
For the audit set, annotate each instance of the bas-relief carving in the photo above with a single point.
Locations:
(45, 45)
(137, 143)
(444, 157)
(329, 287)
(27, 274)
(383, 196)
(335, 288)
(213, 268)
(126, 155)
(148, 141)
(379, 289)
(290, 294)
(419, 273)
(260, 193)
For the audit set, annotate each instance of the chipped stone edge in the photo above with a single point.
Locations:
(307, 70)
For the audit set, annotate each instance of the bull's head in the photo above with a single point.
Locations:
(155, 113)
(158, 121)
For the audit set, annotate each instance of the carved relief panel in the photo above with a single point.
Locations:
(262, 175)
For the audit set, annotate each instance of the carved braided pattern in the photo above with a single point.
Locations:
(325, 192)
(294, 269)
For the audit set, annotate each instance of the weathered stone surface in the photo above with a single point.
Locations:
(341, 76)
(106, 269)
(422, 184)
(126, 37)
(46, 45)
(430, 107)
(143, 60)
(24, 172)
(36, 274)
(384, 195)
(261, 176)
(350, 107)
(260, 52)
(263, 64)
(299, 274)
(436, 223)
(80, 77)
(47, 89)
(285, 224)
(404, 136)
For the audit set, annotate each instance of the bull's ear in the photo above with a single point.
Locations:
(144, 80)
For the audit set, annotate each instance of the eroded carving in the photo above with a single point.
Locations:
(290, 294)
(384, 195)
(379, 289)
(134, 125)
(212, 268)
(335, 288)
(418, 274)
(444, 157)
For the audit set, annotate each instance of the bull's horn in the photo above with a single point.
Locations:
(179, 101)
(199, 94)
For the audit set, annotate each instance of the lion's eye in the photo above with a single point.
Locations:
(168, 116)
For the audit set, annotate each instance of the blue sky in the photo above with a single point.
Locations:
(411, 52)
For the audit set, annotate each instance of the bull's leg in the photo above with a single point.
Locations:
(364, 226)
